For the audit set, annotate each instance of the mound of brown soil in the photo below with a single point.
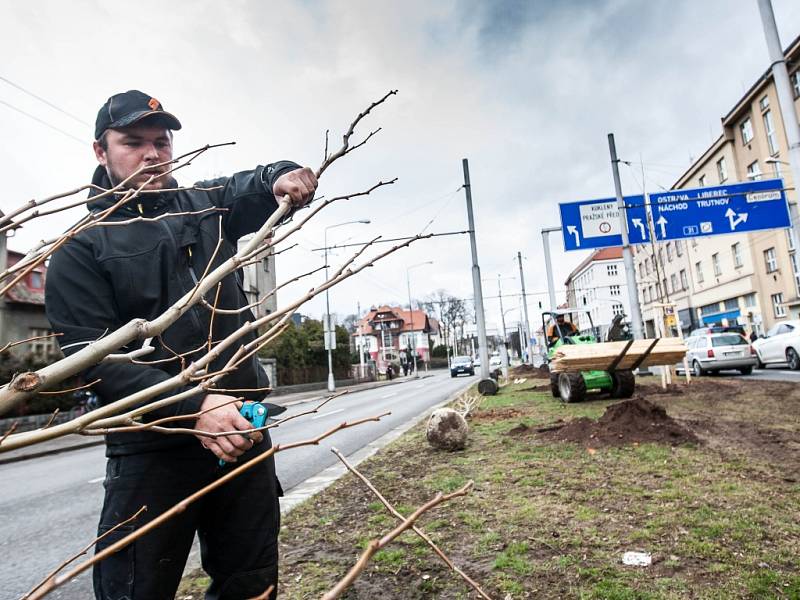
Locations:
(530, 371)
(628, 422)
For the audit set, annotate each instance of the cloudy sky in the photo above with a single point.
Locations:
(526, 90)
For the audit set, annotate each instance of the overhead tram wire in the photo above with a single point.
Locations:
(45, 123)
(43, 100)
(399, 239)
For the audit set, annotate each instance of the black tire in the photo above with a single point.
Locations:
(472, 372)
(571, 387)
(452, 375)
(624, 384)
(554, 385)
(793, 359)
(746, 370)
(697, 370)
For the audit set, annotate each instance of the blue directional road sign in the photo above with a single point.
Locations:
(595, 223)
(734, 208)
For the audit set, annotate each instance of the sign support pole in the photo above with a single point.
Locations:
(627, 257)
(780, 75)
(548, 265)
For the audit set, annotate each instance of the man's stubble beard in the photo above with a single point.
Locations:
(166, 181)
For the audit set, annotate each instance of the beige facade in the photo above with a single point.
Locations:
(750, 278)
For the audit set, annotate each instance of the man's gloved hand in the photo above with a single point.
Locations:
(225, 418)
(299, 184)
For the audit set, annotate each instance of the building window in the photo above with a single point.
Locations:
(641, 270)
(722, 170)
(36, 280)
(614, 290)
(698, 266)
(679, 247)
(42, 347)
(754, 171)
(771, 260)
(684, 280)
(646, 295)
(618, 309)
(747, 131)
(750, 300)
(715, 265)
(652, 294)
(647, 265)
(709, 309)
(732, 304)
(772, 140)
(796, 83)
(736, 252)
(789, 239)
(763, 104)
(778, 309)
(673, 280)
(669, 251)
(658, 291)
(612, 270)
(702, 181)
(265, 264)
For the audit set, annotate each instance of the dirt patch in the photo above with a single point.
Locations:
(632, 421)
(530, 371)
(497, 414)
(537, 388)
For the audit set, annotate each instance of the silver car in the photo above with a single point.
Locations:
(716, 352)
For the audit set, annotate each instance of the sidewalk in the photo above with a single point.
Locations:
(76, 442)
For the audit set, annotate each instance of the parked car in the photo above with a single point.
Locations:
(495, 362)
(460, 365)
(781, 344)
(715, 352)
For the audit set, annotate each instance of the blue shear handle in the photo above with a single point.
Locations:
(256, 413)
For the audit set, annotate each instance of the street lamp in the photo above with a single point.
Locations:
(411, 310)
(329, 331)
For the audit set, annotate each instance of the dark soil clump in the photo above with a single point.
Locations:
(530, 371)
(537, 388)
(629, 422)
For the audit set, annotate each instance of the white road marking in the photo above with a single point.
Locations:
(388, 395)
(333, 412)
(96, 479)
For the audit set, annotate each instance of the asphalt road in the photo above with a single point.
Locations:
(49, 506)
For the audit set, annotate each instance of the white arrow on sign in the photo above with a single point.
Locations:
(638, 223)
(571, 229)
(735, 218)
(662, 222)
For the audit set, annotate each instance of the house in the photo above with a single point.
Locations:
(22, 314)
(387, 330)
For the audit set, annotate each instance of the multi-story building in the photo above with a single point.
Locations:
(598, 286)
(750, 278)
(259, 280)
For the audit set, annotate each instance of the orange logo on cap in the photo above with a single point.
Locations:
(154, 104)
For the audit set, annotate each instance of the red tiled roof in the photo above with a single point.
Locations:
(420, 319)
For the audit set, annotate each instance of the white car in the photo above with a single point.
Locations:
(781, 344)
(495, 362)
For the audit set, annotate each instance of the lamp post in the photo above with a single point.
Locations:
(328, 331)
(411, 310)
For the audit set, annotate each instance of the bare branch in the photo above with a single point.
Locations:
(56, 582)
(29, 340)
(416, 529)
(80, 553)
(51, 419)
(346, 138)
(8, 433)
(75, 389)
(376, 545)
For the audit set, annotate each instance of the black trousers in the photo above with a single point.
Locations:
(237, 524)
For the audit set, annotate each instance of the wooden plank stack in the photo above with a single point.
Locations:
(598, 357)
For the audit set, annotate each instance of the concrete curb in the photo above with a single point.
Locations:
(314, 485)
(366, 387)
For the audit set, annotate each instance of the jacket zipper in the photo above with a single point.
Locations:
(193, 310)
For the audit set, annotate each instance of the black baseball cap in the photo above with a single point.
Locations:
(125, 109)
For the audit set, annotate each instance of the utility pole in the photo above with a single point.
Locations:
(360, 343)
(785, 104)
(476, 279)
(627, 257)
(527, 326)
(502, 314)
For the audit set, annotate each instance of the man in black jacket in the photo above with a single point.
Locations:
(108, 275)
